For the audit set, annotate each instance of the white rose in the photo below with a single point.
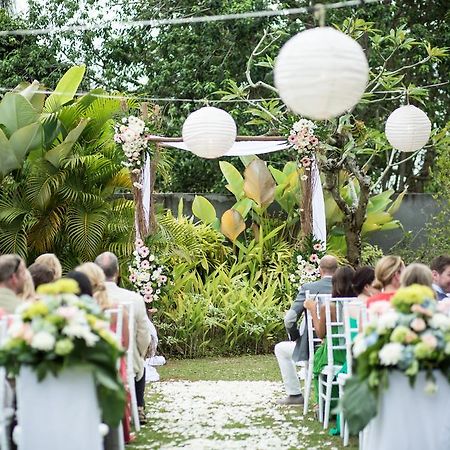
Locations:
(43, 341)
(359, 345)
(387, 321)
(440, 321)
(391, 354)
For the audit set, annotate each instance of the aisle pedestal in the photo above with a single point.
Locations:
(409, 418)
(58, 413)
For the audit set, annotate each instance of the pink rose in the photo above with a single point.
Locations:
(162, 278)
(143, 251)
(292, 139)
(148, 290)
(418, 324)
(145, 264)
(430, 341)
(313, 140)
(148, 298)
(306, 162)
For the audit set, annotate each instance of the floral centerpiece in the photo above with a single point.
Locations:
(148, 277)
(60, 331)
(306, 262)
(411, 334)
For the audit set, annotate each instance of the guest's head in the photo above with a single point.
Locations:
(41, 274)
(417, 274)
(28, 292)
(97, 280)
(342, 282)
(440, 268)
(83, 282)
(387, 273)
(362, 281)
(327, 266)
(110, 265)
(52, 262)
(12, 273)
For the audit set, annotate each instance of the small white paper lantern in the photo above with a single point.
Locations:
(408, 128)
(209, 132)
(321, 73)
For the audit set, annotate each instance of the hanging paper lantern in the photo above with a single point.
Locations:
(321, 73)
(408, 128)
(209, 132)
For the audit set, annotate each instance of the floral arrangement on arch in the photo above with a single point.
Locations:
(148, 278)
(306, 262)
(131, 135)
(303, 139)
(62, 330)
(409, 334)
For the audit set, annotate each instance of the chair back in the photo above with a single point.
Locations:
(351, 328)
(335, 334)
(313, 340)
(117, 313)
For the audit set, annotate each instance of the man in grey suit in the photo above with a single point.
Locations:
(296, 349)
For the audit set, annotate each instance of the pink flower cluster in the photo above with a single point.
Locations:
(303, 139)
(147, 276)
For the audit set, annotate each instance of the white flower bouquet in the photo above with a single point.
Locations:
(62, 330)
(147, 276)
(409, 334)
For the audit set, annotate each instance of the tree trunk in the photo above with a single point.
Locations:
(354, 244)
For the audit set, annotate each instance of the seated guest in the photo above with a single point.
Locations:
(41, 274)
(28, 292)
(387, 278)
(417, 274)
(52, 262)
(83, 282)
(12, 280)
(341, 288)
(296, 349)
(362, 283)
(440, 268)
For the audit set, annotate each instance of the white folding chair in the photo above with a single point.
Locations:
(313, 342)
(116, 312)
(354, 308)
(6, 412)
(130, 367)
(335, 339)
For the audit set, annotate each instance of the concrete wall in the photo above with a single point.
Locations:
(415, 211)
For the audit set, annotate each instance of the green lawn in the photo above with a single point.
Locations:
(180, 415)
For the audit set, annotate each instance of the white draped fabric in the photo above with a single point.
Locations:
(409, 418)
(246, 148)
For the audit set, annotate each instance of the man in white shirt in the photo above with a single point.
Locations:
(142, 339)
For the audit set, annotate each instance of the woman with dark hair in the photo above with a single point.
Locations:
(341, 288)
(83, 282)
(362, 283)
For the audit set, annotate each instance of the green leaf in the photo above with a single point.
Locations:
(26, 139)
(204, 210)
(16, 112)
(234, 178)
(243, 206)
(359, 404)
(56, 155)
(66, 89)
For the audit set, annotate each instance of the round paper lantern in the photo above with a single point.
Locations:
(321, 73)
(408, 128)
(209, 132)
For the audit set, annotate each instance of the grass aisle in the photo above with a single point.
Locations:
(226, 403)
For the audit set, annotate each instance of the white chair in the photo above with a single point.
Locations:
(335, 339)
(313, 342)
(354, 308)
(6, 412)
(116, 312)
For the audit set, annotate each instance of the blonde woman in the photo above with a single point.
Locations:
(97, 279)
(417, 273)
(28, 291)
(51, 261)
(387, 278)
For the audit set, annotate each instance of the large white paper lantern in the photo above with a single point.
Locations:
(408, 128)
(209, 132)
(321, 73)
